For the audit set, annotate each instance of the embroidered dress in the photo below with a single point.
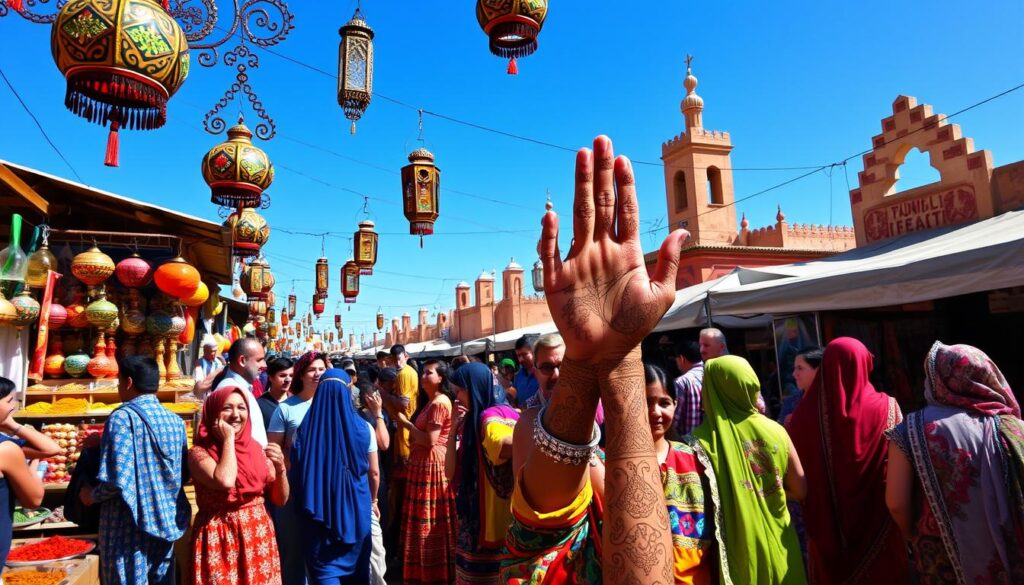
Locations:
(967, 451)
(143, 509)
(428, 516)
(687, 491)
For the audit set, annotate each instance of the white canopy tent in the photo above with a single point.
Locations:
(689, 308)
(506, 340)
(917, 267)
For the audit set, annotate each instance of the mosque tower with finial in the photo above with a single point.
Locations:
(698, 174)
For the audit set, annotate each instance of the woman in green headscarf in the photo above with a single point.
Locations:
(757, 469)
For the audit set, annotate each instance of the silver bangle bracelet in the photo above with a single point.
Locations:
(559, 450)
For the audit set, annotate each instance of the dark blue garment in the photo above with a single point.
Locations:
(526, 385)
(6, 520)
(329, 476)
(477, 380)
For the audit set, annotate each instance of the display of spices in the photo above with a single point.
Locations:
(34, 577)
(49, 549)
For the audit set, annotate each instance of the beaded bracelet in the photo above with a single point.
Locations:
(559, 450)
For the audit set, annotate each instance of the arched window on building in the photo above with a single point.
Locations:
(465, 299)
(715, 195)
(679, 190)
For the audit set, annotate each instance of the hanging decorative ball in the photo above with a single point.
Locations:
(199, 297)
(8, 314)
(101, 313)
(177, 278)
(319, 304)
(421, 191)
(512, 26)
(92, 267)
(76, 364)
(26, 308)
(178, 321)
(291, 306)
(365, 242)
(133, 320)
(257, 280)
(40, 263)
(355, 68)
(76, 312)
(159, 323)
(257, 308)
(350, 281)
(249, 232)
(122, 59)
(58, 316)
(237, 171)
(134, 271)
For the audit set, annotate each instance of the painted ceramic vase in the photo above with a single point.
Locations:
(58, 316)
(159, 323)
(27, 309)
(76, 312)
(98, 365)
(101, 313)
(53, 365)
(76, 364)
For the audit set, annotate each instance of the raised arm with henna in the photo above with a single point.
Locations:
(604, 303)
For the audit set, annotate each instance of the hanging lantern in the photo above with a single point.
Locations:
(309, 319)
(319, 303)
(27, 309)
(512, 26)
(257, 280)
(355, 68)
(365, 242)
(350, 281)
(321, 278)
(271, 314)
(421, 190)
(257, 308)
(197, 298)
(380, 319)
(284, 318)
(122, 59)
(538, 276)
(298, 329)
(273, 329)
(249, 232)
(337, 320)
(92, 267)
(237, 171)
(177, 278)
(134, 272)
(101, 313)
(40, 263)
(291, 306)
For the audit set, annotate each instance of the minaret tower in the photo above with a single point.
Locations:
(698, 175)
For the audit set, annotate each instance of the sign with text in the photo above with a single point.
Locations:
(947, 206)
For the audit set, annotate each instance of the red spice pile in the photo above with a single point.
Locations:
(55, 547)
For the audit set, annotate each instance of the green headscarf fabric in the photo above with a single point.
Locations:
(749, 453)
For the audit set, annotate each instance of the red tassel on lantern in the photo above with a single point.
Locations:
(16, 5)
(113, 145)
(513, 69)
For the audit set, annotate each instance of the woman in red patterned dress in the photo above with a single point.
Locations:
(428, 531)
(233, 538)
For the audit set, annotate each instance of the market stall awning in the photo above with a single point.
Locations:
(434, 349)
(940, 263)
(688, 310)
(506, 340)
(67, 205)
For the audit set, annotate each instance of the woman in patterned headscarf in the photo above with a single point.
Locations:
(965, 450)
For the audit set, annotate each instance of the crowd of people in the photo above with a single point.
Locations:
(584, 464)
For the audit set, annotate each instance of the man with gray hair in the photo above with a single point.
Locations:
(548, 352)
(712, 344)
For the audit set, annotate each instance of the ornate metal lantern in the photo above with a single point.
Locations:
(122, 61)
(291, 306)
(365, 242)
(249, 232)
(257, 308)
(421, 191)
(319, 303)
(257, 280)
(337, 320)
(237, 171)
(512, 26)
(380, 319)
(321, 278)
(538, 276)
(350, 281)
(271, 314)
(355, 67)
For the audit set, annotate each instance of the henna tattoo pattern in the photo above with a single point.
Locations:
(636, 498)
(571, 414)
(613, 303)
(641, 545)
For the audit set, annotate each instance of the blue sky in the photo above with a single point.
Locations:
(796, 84)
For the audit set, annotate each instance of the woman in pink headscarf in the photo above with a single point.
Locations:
(956, 473)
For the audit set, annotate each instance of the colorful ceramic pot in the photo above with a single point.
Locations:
(92, 267)
(58, 316)
(177, 278)
(76, 364)
(27, 309)
(159, 323)
(101, 313)
(8, 314)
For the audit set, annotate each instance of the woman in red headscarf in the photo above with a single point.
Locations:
(233, 538)
(839, 430)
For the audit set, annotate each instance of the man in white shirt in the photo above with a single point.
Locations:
(246, 359)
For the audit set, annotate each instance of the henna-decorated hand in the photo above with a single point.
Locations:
(601, 297)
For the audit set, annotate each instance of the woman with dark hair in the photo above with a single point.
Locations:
(839, 431)
(805, 368)
(955, 481)
(283, 426)
(428, 514)
(233, 539)
(334, 475)
(484, 474)
(17, 442)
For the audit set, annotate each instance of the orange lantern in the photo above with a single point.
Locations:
(380, 319)
(177, 278)
(321, 278)
(365, 243)
(318, 304)
(350, 281)
(421, 190)
(199, 297)
(189, 332)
